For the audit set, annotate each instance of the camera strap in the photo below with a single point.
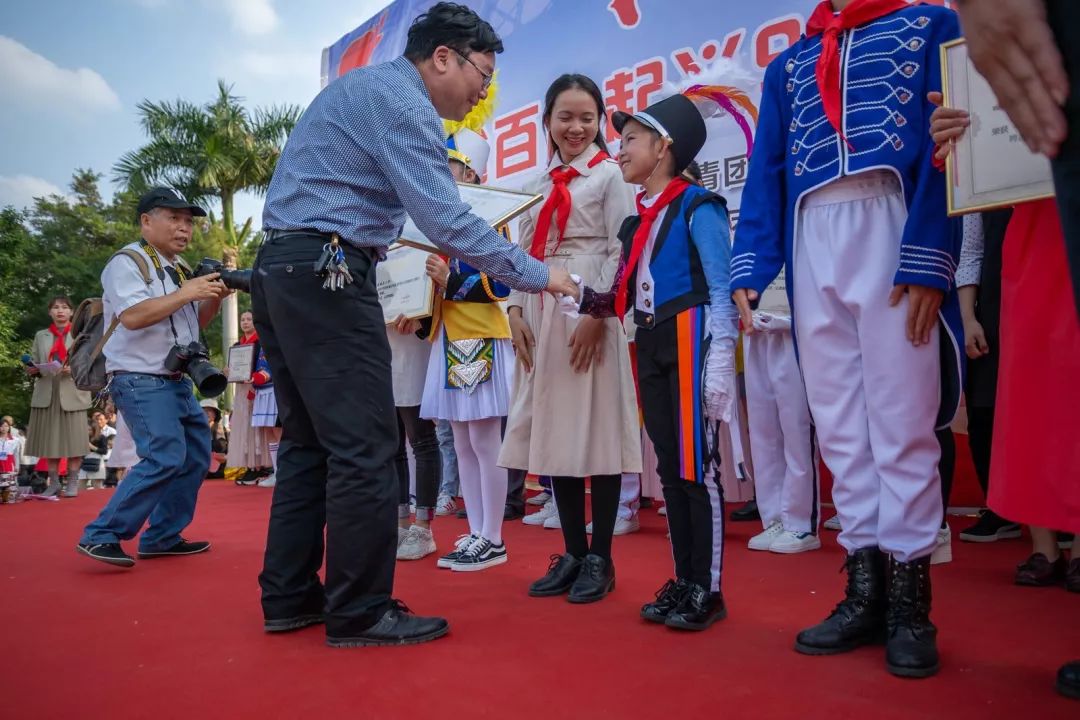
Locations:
(179, 276)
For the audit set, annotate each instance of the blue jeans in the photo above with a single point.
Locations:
(450, 483)
(172, 440)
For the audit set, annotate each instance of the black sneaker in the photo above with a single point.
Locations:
(281, 625)
(110, 553)
(397, 626)
(990, 527)
(460, 545)
(480, 554)
(181, 548)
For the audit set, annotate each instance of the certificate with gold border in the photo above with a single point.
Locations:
(990, 166)
(496, 206)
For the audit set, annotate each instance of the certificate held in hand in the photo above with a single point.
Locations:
(990, 166)
(403, 284)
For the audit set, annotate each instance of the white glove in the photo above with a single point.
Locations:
(567, 304)
(767, 322)
(720, 381)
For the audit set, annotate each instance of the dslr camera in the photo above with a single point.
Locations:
(233, 279)
(193, 360)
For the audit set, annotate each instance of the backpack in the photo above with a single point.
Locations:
(85, 360)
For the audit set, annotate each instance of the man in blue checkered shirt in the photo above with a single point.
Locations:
(368, 150)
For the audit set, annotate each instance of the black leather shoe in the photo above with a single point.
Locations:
(397, 626)
(859, 619)
(1068, 680)
(560, 577)
(594, 582)
(746, 513)
(698, 610)
(911, 647)
(667, 599)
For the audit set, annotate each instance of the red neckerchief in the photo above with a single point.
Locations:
(559, 200)
(250, 339)
(827, 22)
(641, 236)
(58, 351)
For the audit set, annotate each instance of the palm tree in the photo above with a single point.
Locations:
(213, 151)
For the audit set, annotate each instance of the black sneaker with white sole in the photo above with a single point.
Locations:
(990, 528)
(181, 548)
(479, 555)
(460, 545)
(110, 553)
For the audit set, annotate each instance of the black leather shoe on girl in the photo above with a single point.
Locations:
(594, 582)
(560, 577)
(667, 599)
(698, 610)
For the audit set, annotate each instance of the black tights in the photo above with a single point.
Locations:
(946, 468)
(570, 499)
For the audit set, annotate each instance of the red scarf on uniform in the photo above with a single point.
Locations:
(58, 351)
(250, 339)
(559, 201)
(641, 236)
(827, 22)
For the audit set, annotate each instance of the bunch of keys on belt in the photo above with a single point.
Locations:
(332, 266)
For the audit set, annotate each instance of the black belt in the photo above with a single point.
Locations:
(175, 377)
(313, 234)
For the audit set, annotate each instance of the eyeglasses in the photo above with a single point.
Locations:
(486, 78)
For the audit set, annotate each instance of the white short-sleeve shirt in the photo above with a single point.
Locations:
(143, 350)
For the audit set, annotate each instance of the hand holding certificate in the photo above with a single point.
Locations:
(403, 284)
(990, 165)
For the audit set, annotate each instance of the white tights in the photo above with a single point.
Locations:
(483, 482)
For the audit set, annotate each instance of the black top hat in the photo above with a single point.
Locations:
(677, 120)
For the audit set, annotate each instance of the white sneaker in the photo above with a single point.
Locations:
(662, 510)
(789, 543)
(541, 517)
(764, 539)
(622, 526)
(419, 543)
(402, 535)
(553, 522)
(268, 481)
(445, 506)
(460, 545)
(540, 498)
(833, 523)
(943, 552)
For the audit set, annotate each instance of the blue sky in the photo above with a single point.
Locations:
(72, 72)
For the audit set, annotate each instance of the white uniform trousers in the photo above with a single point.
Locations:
(782, 441)
(873, 395)
(629, 496)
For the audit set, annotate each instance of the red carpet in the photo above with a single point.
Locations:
(182, 638)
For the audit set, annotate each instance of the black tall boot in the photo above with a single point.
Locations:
(911, 647)
(859, 619)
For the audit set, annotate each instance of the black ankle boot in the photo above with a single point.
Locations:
(561, 574)
(911, 648)
(859, 619)
(594, 582)
(667, 599)
(698, 610)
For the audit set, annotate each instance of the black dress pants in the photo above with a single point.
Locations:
(1064, 18)
(331, 366)
(695, 511)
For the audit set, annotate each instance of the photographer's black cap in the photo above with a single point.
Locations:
(167, 198)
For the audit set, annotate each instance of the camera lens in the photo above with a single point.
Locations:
(237, 280)
(207, 378)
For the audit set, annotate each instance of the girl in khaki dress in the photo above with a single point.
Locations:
(574, 414)
(58, 425)
(249, 446)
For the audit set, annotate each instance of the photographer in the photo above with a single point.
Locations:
(152, 358)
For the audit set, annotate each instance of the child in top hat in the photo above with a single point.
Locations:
(842, 191)
(674, 279)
